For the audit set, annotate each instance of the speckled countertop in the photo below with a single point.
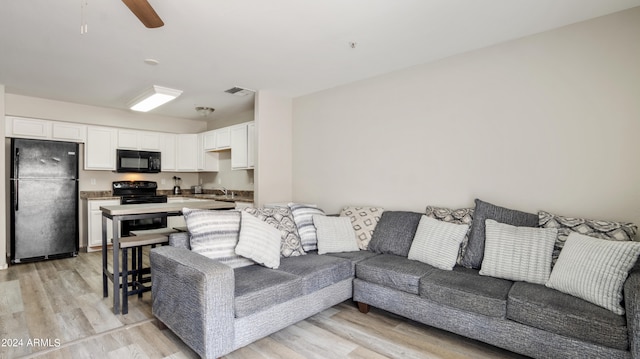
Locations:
(239, 196)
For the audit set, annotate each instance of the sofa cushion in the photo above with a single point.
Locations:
(355, 257)
(259, 241)
(258, 288)
(393, 271)
(317, 271)
(548, 309)
(614, 231)
(335, 234)
(394, 232)
(437, 243)
(281, 218)
(303, 216)
(364, 221)
(594, 269)
(466, 289)
(518, 253)
(474, 253)
(457, 216)
(214, 234)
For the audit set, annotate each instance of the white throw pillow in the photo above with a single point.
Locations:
(335, 234)
(594, 269)
(437, 243)
(214, 234)
(518, 253)
(259, 241)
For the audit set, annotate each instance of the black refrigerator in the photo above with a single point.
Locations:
(44, 200)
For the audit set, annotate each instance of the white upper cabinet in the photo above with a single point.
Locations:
(217, 140)
(243, 146)
(44, 129)
(168, 151)
(251, 145)
(223, 138)
(100, 148)
(138, 140)
(239, 142)
(209, 140)
(73, 132)
(187, 153)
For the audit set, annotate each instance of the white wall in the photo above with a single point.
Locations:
(273, 172)
(549, 121)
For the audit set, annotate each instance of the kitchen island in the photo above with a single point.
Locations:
(118, 213)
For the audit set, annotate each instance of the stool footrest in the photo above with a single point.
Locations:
(144, 240)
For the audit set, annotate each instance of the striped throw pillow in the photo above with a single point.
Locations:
(214, 234)
(518, 253)
(303, 216)
(259, 241)
(594, 269)
(437, 243)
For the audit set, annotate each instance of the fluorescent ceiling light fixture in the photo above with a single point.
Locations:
(154, 97)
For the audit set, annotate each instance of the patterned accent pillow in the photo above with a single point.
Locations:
(455, 216)
(594, 270)
(214, 234)
(394, 233)
(335, 234)
(303, 216)
(282, 219)
(518, 253)
(259, 241)
(364, 221)
(475, 248)
(437, 243)
(613, 231)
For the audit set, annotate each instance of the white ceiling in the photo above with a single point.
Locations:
(291, 47)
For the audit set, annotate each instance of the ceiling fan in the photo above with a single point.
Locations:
(145, 13)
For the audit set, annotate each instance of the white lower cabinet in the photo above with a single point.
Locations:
(94, 223)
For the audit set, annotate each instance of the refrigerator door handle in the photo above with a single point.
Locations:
(15, 204)
(16, 175)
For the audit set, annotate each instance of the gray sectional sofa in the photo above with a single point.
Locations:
(216, 309)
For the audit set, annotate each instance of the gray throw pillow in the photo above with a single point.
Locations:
(474, 252)
(609, 230)
(394, 232)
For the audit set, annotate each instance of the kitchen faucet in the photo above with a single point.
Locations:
(224, 190)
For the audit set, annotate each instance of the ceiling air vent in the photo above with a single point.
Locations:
(239, 91)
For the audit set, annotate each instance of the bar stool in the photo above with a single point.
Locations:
(136, 243)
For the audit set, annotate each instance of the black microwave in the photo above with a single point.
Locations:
(137, 161)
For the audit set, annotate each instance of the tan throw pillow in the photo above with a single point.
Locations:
(364, 221)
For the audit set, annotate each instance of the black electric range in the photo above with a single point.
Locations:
(136, 192)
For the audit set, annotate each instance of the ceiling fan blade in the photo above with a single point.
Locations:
(145, 13)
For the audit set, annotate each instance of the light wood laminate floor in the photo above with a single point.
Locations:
(55, 309)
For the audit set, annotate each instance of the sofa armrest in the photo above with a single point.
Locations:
(180, 240)
(193, 295)
(632, 308)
